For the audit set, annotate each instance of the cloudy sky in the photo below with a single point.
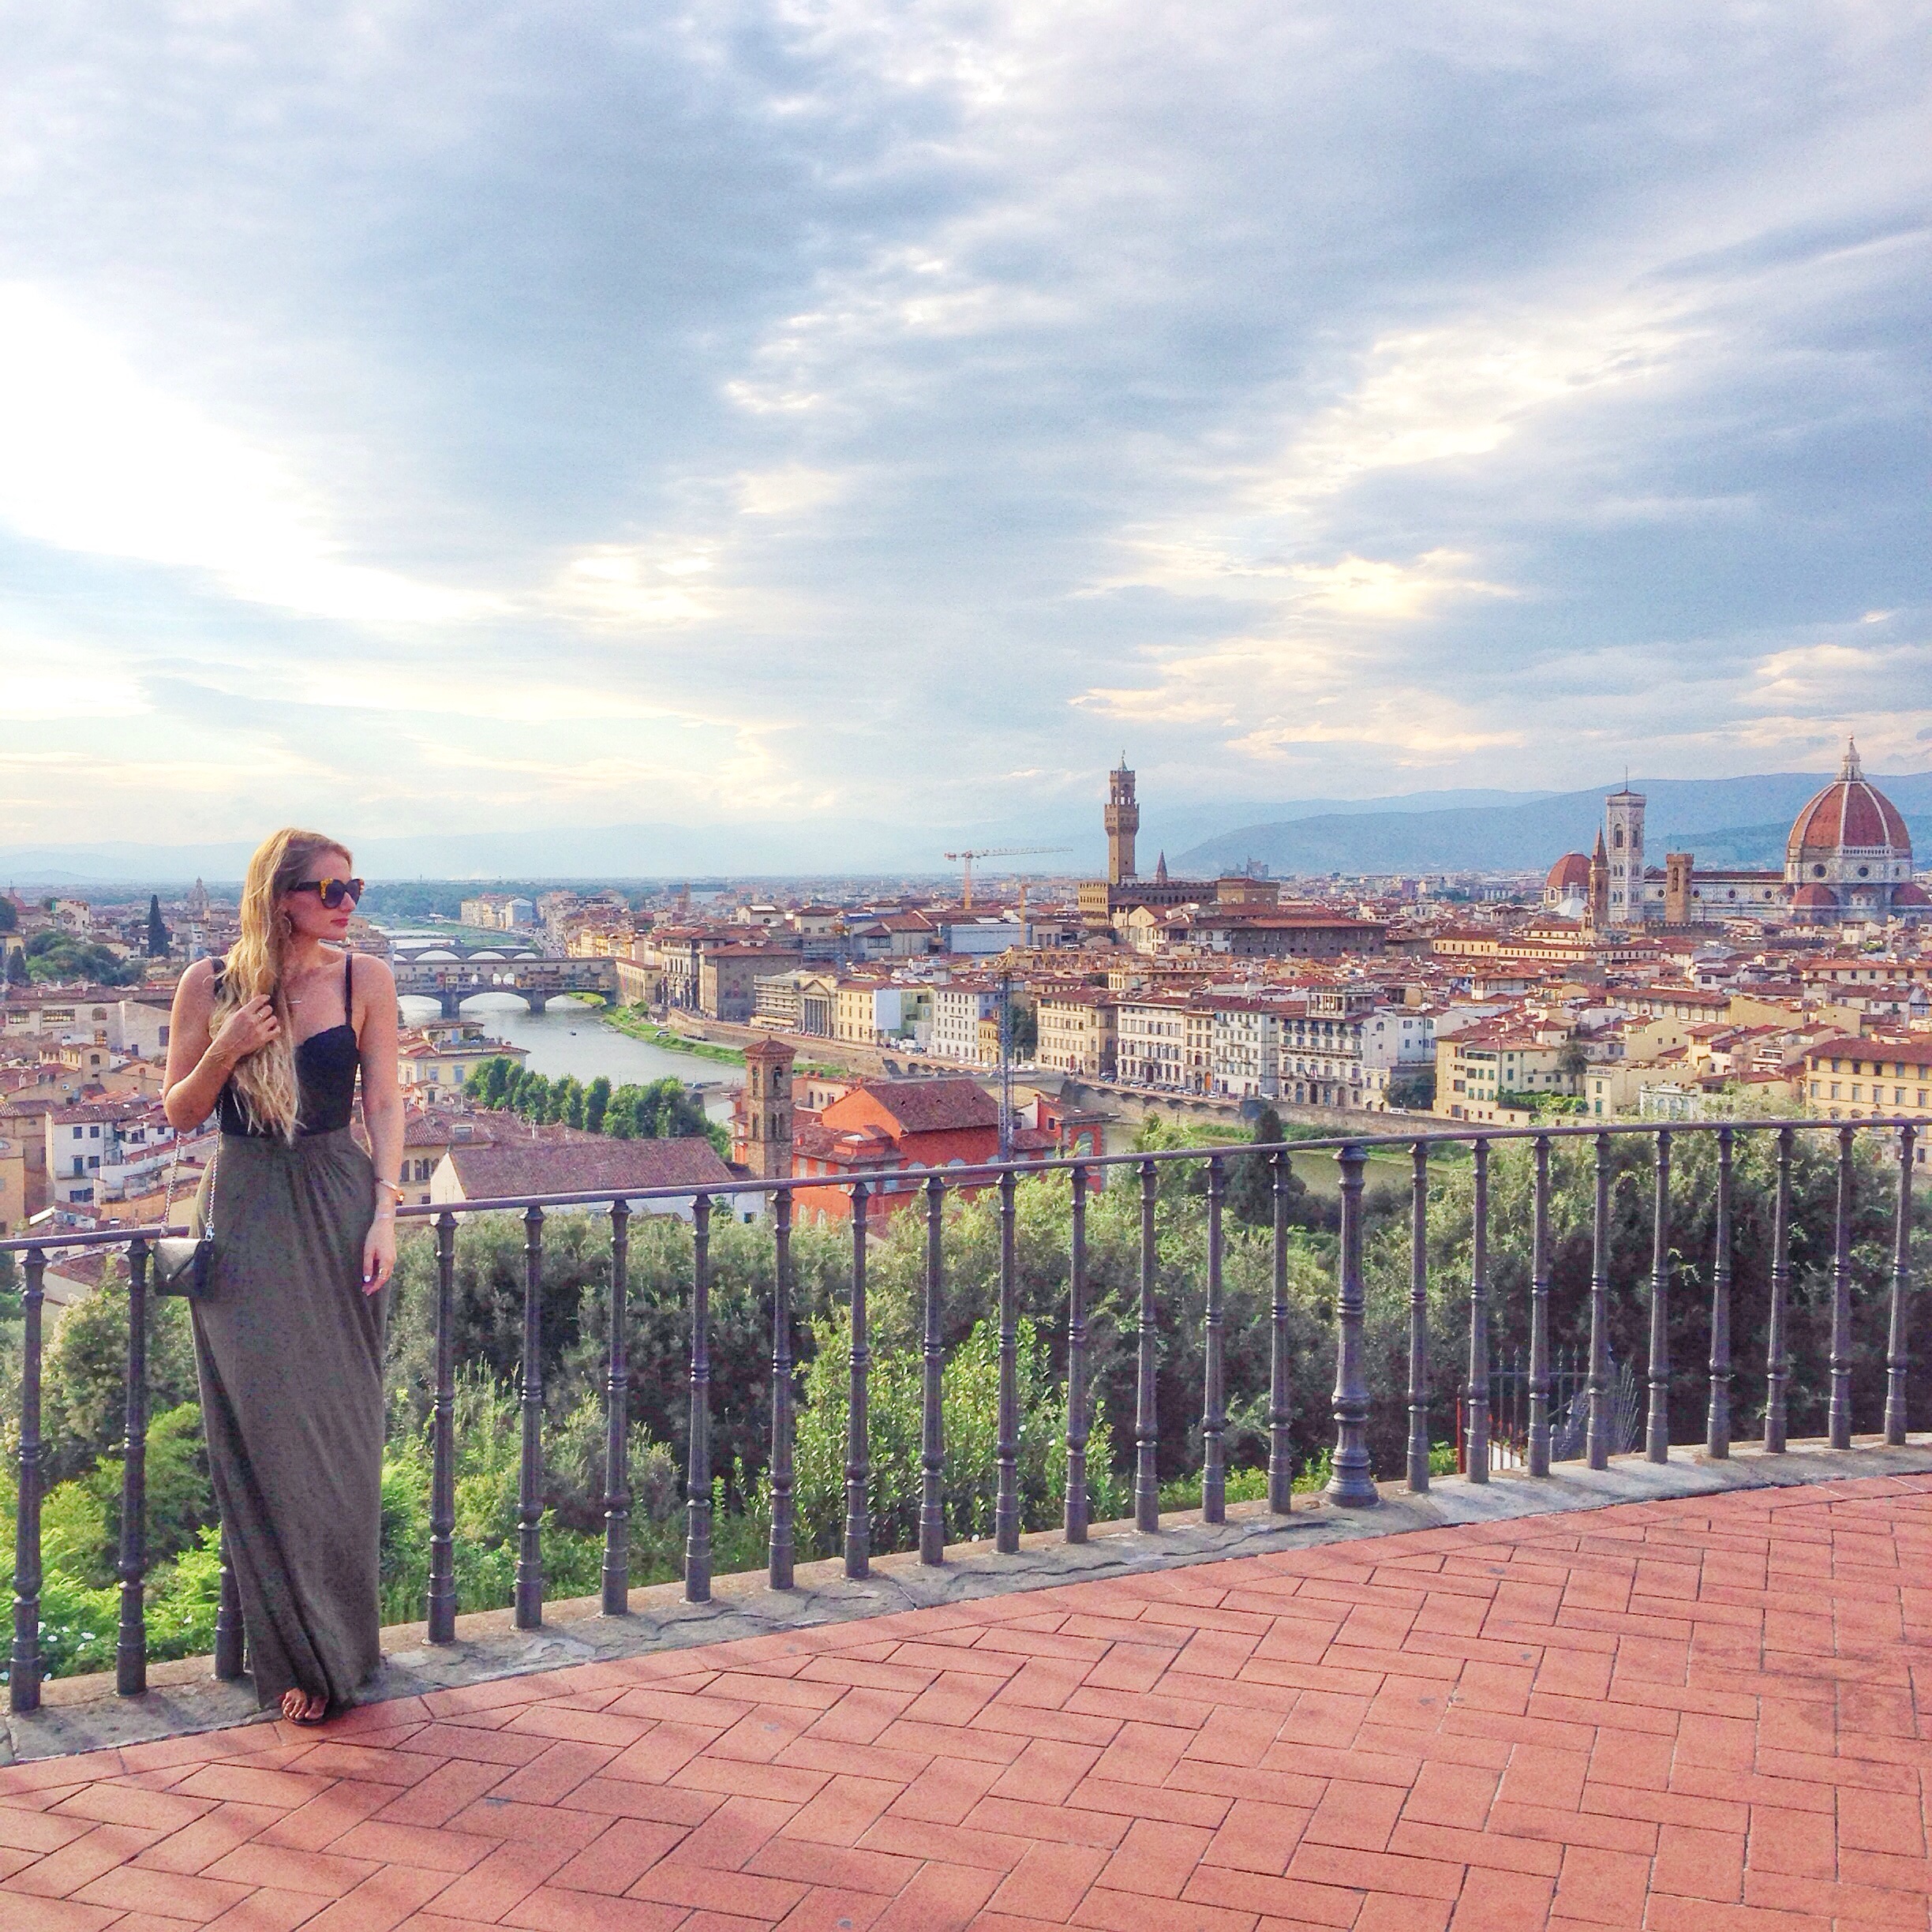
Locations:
(433, 418)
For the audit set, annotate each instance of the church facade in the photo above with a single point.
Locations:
(1848, 858)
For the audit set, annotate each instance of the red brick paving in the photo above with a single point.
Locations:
(1707, 1715)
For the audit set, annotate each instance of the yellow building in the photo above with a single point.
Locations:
(1475, 1070)
(1077, 1032)
(1864, 1079)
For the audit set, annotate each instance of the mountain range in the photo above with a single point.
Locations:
(1727, 822)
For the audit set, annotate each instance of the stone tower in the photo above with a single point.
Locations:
(1122, 820)
(1679, 869)
(1596, 916)
(1623, 825)
(765, 1138)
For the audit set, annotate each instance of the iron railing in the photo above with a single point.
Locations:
(1544, 1384)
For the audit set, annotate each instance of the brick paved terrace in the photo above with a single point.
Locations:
(1705, 1712)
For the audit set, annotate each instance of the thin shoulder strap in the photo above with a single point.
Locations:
(349, 987)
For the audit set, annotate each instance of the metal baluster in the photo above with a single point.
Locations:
(1476, 1392)
(1280, 1450)
(530, 1485)
(1350, 1485)
(932, 1421)
(1078, 1428)
(617, 1422)
(131, 1645)
(1598, 1383)
(858, 1413)
(1418, 1320)
(24, 1669)
(697, 1454)
(230, 1633)
(1214, 1418)
(1897, 1358)
(1717, 1424)
(1147, 1417)
(780, 1552)
(1777, 1367)
(1656, 1424)
(1539, 1456)
(440, 1598)
(1006, 1450)
(1841, 1298)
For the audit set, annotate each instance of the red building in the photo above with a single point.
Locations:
(881, 1129)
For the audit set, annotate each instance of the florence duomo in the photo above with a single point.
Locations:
(1847, 859)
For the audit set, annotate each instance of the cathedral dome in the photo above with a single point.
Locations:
(1850, 814)
(1569, 875)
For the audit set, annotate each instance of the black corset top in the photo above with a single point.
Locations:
(325, 1076)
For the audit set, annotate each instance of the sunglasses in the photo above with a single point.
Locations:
(332, 891)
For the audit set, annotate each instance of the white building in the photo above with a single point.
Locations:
(957, 1009)
(1246, 1047)
(1150, 1041)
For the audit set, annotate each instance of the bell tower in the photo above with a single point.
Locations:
(1624, 821)
(1123, 821)
(765, 1121)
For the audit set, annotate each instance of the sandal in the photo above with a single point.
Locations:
(309, 1723)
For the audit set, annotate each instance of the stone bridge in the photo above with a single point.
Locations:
(441, 950)
(537, 982)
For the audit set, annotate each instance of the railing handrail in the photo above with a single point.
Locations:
(1351, 1483)
(988, 1172)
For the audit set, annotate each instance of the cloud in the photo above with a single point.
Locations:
(833, 411)
(96, 458)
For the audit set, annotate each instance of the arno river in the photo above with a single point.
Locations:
(571, 1039)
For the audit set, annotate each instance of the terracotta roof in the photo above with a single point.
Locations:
(934, 1105)
(582, 1166)
(1571, 873)
(1849, 811)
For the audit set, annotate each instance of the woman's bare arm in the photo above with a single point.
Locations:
(375, 1040)
(197, 1065)
(382, 1111)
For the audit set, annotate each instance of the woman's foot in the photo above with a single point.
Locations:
(304, 1706)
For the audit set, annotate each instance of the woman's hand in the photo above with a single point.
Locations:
(247, 1029)
(379, 1250)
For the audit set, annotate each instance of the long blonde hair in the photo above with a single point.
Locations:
(264, 1081)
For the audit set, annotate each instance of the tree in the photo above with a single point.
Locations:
(1024, 1022)
(10, 914)
(17, 968)
(1251, 1181)
(158, 934)
(597, 1100)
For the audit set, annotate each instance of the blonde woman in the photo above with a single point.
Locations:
(289, 1338)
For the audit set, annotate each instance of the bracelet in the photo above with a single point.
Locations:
(400, 1193)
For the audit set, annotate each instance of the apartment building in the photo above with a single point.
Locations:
(1079, 1031)
(1150, 1040)
(960, 1011)
(1847, 1079)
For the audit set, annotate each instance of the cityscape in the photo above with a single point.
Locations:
(1058, 1013)
(1138, 802)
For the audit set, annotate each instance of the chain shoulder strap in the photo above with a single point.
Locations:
(167, 1198)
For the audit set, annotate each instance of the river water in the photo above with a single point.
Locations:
(571, 1038)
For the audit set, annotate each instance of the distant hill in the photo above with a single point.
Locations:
(1727, 822)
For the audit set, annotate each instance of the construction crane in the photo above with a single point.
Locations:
(994, 851)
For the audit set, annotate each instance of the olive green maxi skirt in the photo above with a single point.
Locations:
(291, 1355)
